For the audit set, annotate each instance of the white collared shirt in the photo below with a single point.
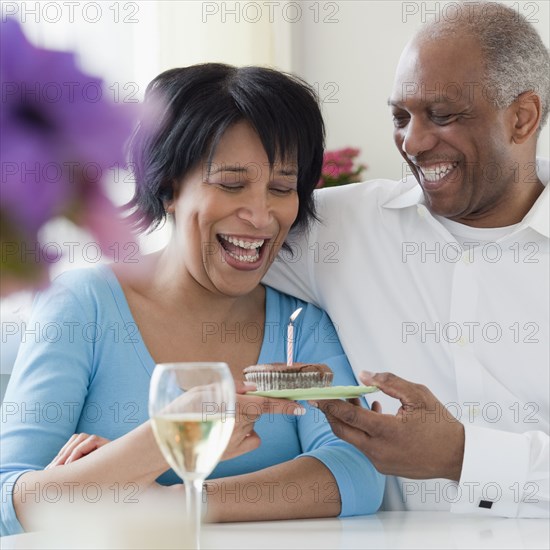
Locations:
(470, 321)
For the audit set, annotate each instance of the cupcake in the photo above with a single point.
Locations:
(279, 376)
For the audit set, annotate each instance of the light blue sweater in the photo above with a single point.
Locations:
(83, 367)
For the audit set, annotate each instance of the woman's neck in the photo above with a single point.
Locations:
(165, 282)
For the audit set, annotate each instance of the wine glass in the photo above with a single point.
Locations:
(192, 409)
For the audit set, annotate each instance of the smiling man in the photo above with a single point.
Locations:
(442, 278)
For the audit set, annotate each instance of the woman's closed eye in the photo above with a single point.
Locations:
(282, 190)
(231, 187)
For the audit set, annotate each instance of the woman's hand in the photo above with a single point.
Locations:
(79, 445)
(249, 409)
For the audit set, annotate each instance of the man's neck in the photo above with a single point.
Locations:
(510, 210)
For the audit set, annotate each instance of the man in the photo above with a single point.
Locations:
(443, 278)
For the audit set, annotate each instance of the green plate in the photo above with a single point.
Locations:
(332, 392)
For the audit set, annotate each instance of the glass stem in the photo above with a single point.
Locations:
(193, 498)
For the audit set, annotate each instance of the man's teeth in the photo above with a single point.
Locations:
(438, 172)
(243, 244)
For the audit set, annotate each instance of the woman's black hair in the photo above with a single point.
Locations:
(198, 104)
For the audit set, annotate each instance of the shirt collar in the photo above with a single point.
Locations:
(537, 218)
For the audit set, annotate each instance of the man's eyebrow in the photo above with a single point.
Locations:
(394, 102)
(399, 104)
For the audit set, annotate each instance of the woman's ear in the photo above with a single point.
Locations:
(170, 203)
(169, 207)
(527, 114)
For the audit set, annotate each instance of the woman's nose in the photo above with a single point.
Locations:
(256, 210)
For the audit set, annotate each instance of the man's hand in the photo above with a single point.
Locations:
(422, 441)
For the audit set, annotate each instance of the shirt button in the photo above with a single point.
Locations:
(421, 210)
(466, 260)
(462, 341)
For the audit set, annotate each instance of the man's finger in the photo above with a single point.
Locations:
(354, 401)
(355, 417)
(376, 407)
(357, 437)
(394, 386)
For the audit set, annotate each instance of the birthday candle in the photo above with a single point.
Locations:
(290, 337)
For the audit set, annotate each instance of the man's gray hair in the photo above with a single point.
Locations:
(516, 59)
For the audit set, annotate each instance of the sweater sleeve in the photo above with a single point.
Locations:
(46, 393)
(360, 486)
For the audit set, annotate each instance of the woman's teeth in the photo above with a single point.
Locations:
(243, 251)
(241, 243)
(437, 172)
(241, 258)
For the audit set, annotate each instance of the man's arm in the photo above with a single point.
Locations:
(504, 473)
(291, 272)
(498, 473)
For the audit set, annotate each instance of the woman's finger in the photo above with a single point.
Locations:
(76, 447)
(67, 449)
(86, 447)
(241, 443)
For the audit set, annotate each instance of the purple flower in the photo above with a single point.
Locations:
(59, 137)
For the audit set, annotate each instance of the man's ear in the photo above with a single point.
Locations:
(527, 114)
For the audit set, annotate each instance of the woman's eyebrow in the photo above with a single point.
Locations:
(240, 169)
(214, 169)
(287, 172)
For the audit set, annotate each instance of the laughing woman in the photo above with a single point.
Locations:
(232, 162)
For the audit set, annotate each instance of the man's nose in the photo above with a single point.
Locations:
(419, 137)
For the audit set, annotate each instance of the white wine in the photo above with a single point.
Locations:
(193, 443)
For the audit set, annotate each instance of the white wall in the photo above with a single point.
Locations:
(347, 49)
(357, 56)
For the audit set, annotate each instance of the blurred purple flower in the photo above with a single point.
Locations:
(59, 136)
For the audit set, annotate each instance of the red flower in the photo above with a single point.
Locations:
(339, 168)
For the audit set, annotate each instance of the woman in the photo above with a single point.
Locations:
(233, 159)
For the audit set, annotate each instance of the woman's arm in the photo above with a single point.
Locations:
(297, 489)
(133, 461)
(327, 476)
(330, 478)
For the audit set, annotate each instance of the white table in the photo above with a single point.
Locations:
(392, 530)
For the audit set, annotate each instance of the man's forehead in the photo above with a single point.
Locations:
(440, 54)
(438, 71)
(420, 96)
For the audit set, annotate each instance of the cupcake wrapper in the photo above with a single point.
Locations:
(267, 381)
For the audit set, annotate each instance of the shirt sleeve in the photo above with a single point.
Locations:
(360, 485)
(291, 270)
(504, 474)
(46, 393)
